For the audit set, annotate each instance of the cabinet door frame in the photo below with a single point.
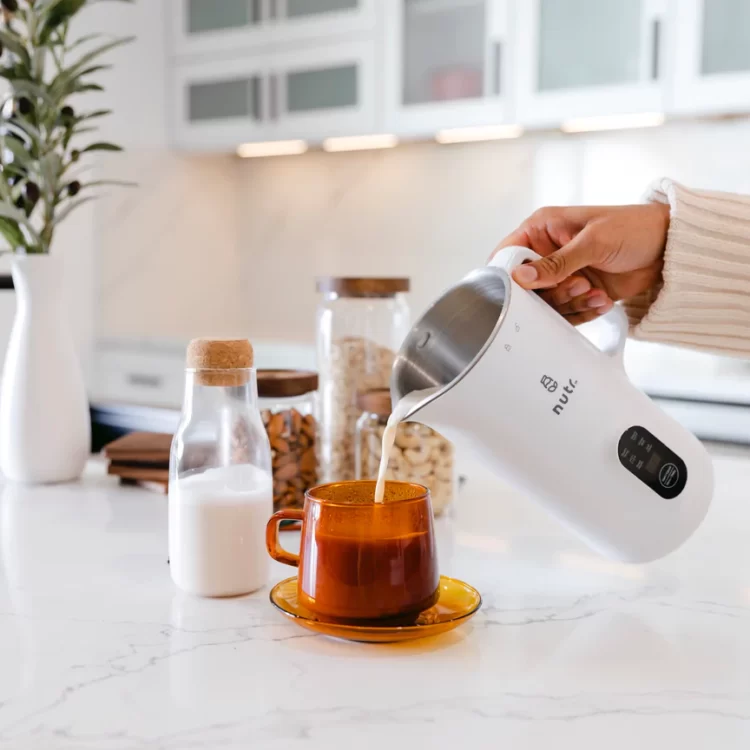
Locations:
(550, 108)
(419, 120)
(718, 93)
(221, 134)
(222, 42)
(361, 119)
(273, 28)
(320, 25)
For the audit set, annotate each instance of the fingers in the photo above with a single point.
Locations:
(574, 286)
(555, 268)
(593, 301)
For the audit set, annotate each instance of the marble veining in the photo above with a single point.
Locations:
(98, 650)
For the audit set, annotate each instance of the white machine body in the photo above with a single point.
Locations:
(559, 419)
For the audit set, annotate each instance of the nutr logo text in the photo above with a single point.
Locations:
(565, 396)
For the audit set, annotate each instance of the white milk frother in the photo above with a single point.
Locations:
(553, 415)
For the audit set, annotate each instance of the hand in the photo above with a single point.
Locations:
(592, 255)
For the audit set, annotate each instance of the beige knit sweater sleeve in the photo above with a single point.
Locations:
(704, 299)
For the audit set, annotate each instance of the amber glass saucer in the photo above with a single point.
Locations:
(457, 604)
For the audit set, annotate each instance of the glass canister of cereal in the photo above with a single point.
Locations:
(419, 454)
(361, 324)
(288, 405)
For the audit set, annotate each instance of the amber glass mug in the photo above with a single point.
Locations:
(360, 560)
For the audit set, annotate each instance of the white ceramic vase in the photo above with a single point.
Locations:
(45, 428)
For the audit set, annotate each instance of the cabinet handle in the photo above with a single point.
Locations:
(255, 12)
(497, 68)
(142, 380)
(655, 48)
(273, 96)
(256, 105)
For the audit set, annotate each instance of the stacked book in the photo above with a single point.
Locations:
(141, 458)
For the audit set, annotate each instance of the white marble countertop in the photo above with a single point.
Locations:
(98, 650)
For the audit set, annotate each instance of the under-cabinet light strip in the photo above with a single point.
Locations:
(360, 142)
(484, 133)
(271, 148)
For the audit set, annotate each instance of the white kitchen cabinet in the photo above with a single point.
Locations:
(712, 57)
(226, 27)
(218, 105)
(587, 58)
(311, 93)
(448, 64)
(315, 93)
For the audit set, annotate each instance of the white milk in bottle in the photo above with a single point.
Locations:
(220, 485)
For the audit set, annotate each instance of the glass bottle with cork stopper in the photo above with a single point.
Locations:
(419, 454)
(361, 324)
(220, 486)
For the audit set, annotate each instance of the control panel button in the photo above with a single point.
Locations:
(669, 474)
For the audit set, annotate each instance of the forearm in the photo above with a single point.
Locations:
(704, 298)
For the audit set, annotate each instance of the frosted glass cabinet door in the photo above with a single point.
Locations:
(323, 92)
(218, 105)
(446, 63)
(297, 19)
(713, 56)
(590, 58)
(218, 26)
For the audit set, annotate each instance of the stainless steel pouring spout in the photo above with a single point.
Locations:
(451, 336)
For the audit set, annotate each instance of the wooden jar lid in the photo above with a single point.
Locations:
(362, 287)
(221, 362)
(377, 401)
(286, 383)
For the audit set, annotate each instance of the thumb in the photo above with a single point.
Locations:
(556, 267)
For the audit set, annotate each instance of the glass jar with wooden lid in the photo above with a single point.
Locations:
(288, 401)
(361, 324)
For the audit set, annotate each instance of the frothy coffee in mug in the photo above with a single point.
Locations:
(402, 408)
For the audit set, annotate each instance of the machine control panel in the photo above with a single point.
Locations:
(648, 459)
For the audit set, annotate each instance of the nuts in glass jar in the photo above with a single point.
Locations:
(419, 454)
(287, 402)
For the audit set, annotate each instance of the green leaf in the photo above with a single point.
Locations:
(83, 40)
(92, 115)
(57, 12)
(20, 153)
(21, 86)
(69, 207)
(102, 146)
(23, 128)
(13, 43)
(66, 77)
(81, 88)
(11, 212)
(116, 183)
(12, 233)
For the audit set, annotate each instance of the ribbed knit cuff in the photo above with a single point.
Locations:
(704, 298)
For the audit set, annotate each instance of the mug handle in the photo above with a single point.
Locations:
(276, 551)
(510, 257)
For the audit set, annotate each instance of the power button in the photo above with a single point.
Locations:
(669, 474)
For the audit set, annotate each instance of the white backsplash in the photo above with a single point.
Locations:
(216, 245)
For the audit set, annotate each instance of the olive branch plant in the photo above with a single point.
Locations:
(41, 161)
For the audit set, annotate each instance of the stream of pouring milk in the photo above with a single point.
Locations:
(402, 408)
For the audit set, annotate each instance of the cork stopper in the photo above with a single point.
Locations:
(220, 362)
